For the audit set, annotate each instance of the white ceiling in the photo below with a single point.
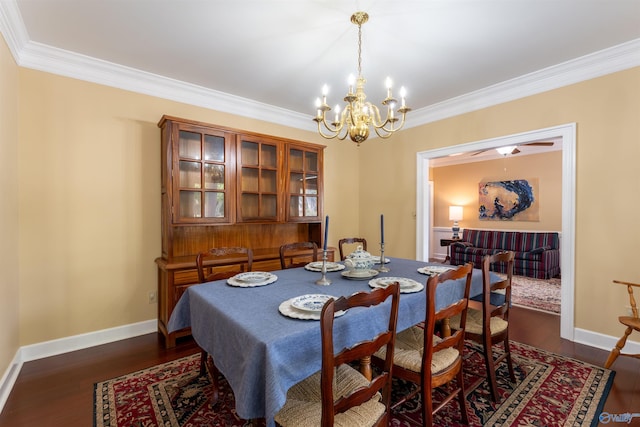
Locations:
(269, 59)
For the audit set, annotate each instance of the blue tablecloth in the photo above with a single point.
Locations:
(263, 353)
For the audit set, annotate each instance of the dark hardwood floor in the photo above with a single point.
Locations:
(58, 391)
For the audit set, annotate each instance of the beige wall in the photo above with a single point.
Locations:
(458, 185)
(89, 203)
(9, 232)
(606, 111)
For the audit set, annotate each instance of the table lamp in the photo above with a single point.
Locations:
(455, 215)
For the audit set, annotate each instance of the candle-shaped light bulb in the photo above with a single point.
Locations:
(318, 104)
(337, 113)
(325, 91)
(351, 80)
(403, 93)
(388, 84)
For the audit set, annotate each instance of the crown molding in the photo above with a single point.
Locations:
(49, 59)
(597, 64)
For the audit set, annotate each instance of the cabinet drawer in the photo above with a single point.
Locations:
(185, 277)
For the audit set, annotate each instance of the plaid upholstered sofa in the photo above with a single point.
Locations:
(536, 254)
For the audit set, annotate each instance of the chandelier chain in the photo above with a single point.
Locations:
(359, 50)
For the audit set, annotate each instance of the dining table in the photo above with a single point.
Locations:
(262, 345)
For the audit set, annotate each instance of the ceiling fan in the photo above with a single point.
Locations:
(513, 149)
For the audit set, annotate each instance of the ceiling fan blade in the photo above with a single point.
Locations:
(515, 151)
(480, 152)
(540, 144)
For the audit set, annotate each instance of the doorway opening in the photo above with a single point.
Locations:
(566, 135)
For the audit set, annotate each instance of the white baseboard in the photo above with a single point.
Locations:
(9, 379)
(90, 339)
(66, 345)
(604, 342)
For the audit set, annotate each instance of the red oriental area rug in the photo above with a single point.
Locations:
(551, 390)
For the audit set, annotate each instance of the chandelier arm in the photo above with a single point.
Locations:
(330, 126)
(349, 118)
(334, 134)
(376, 120)
(382, 135)
(395, 129)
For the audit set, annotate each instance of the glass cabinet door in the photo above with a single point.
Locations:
(303, 184)
(258, 171)
(202, 185)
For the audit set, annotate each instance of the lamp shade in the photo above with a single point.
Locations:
(455, 213)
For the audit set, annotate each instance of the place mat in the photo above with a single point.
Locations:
(431, 270)
(251, 279)
(407, 286)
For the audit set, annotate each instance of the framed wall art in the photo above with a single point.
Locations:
(514, 200)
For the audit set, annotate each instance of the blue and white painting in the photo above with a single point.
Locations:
(513, 200)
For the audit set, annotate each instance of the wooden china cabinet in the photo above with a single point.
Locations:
(227, 187)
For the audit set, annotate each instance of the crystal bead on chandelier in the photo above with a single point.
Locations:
(358, 114)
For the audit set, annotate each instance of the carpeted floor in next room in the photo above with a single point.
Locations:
(537, 294)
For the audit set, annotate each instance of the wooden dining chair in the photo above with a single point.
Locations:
(228, 261)
(489, 324)
(339, 395)
(429, 361)
(292, 254)
(342, 243)
(631, 322)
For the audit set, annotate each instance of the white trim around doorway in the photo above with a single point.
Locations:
(567, 135)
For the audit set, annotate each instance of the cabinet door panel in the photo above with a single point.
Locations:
(303, 184)
(203, 163)
(260, 178)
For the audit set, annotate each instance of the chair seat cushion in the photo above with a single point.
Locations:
(409, 350)
(304, 402)
(474, 323)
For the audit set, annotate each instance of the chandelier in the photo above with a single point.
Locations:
(358, 114)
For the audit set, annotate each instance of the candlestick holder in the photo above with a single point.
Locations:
(323, 280)
(382, 268)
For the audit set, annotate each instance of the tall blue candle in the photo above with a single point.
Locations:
(326, 232)
(381, 228)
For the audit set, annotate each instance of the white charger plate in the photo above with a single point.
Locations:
(252, 279)
(287, 309)
(434, 269)
(407, 286)
(311, 302)
(370, 273)
(317, 266)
